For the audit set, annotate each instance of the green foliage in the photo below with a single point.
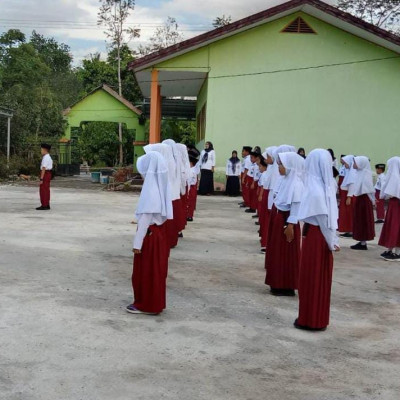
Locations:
(18, 165)
(222, 21)
(180, 131)
(99, 144)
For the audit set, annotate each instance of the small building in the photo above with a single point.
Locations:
(105, 105)
(303, 73)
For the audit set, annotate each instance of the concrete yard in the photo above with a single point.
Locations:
(64, 333)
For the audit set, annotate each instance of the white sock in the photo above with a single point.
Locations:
(363, 242)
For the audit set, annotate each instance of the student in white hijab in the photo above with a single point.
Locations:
(318, 209)
(272, 173)
(150, 244)
(390, 235)
(346, 201)
(283, 247)
(364, 192)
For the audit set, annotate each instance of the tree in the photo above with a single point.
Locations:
(382, 13)
(164, 36)
(222, 21)
(113, 15)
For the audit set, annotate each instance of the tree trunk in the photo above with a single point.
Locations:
(121, 150)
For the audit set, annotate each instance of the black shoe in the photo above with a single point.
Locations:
(43, 208)
(283, 292)
(391, 257)
(254, 216)
(189, 219)
(346, 235)
(359, 246)
(263, 250)
(385, 253)
(250, 211)
(243, 205)
(306, 328)
(256, 223)
(180, 235)
(379, 221)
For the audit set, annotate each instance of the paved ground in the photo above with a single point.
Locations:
(64, 334)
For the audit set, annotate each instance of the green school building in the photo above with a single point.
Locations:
(105, 105)
(302, 73)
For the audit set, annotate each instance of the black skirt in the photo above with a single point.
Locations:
(232, 186)
(206, 182)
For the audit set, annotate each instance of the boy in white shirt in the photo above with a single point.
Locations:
(45, 177)
(380, 203)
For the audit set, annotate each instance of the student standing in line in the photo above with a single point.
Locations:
(246, 164)
(192, 184)
(262, 208)
(318, 209)
(390, 235)
(46, 168)
(301, 152)
(380, 203)
(233, 171)
(283, 251)
(252, 189)
(207, 165)
(346, 202)
(363, 212)
(150, 245)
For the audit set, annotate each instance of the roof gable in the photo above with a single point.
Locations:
(316, 8)
(110, 92)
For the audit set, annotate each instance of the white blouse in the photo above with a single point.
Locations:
(210, 162)
(47, 162)
(230, 171)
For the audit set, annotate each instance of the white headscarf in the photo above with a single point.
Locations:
(185, 166)
(363, 178)
(272, 173)
(176, 183)
(350, 176)
(166, 152)
(319, 196)
(391, 186)
(291, 185)
(155, 197)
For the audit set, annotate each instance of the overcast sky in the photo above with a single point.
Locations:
(74, 21)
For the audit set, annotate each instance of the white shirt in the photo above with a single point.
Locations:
(194, 171)
(329, 234)
(252, 169)
(143, 224)
(47, 162)
(380, 181)
(210, 161)
(294, 210)
(247, 163)
(233, 172)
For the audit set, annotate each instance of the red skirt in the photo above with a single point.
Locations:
(315, 280)
(390, 235)
(253, 199)
(191, 201)
(150, 272)
(245, 191)
(263, 216)
(183, 221)
(345, 213)
(178, 215)
(282, 258)
(363, 219)
(379, 205)
(172, 230)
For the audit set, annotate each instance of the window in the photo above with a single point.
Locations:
(298, 26)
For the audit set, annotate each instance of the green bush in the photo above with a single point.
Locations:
(18, 165)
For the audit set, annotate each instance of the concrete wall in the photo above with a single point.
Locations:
(353, 107)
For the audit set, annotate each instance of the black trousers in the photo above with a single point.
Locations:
(206, 182)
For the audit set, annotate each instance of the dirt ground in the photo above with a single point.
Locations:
(64, 333)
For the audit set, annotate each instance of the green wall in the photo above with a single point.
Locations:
(101, 106)
(351, 108)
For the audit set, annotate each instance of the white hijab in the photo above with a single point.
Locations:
(350, 175)
(185, 165)
(166, 152)
(291, 185)
(319, 196)
(155, 197)
(176, 183)
(363, 178)
(391, 186)
(272, 173)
